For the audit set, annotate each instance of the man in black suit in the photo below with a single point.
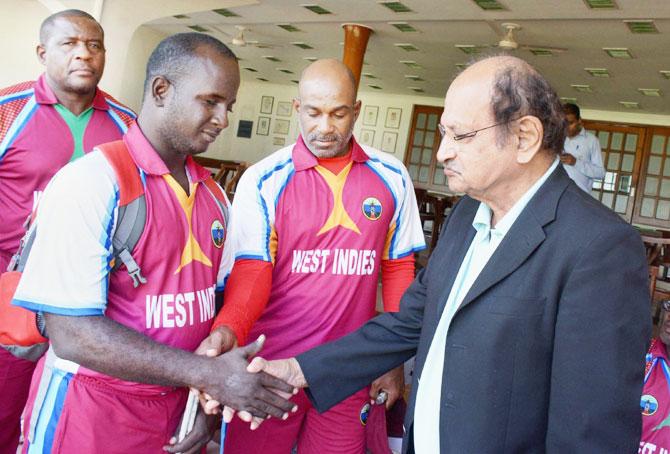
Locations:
(531, 319)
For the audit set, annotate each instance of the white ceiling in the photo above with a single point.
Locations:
(441, 25)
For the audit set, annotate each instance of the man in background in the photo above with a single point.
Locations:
(314, 224)
(581, 157)
(44, 125)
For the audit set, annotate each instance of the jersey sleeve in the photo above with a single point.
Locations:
(405, 235)
(228, 258)
(67, 269)
(252, 226)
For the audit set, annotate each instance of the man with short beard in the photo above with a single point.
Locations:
(313, 225)
(45, 124)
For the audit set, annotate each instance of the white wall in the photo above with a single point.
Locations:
(19, 31)
(231, 147)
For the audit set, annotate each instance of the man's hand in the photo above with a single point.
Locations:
(567, 158)
(219, 341)
(392, 382)
(203, 430)
(287, 370)
(228, 382)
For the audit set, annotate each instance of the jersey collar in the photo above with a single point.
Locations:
(658, 349)
(146, 157)
(45, 95)
(304, 159)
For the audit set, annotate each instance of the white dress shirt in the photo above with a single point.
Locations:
(585, 147)
(484, 244)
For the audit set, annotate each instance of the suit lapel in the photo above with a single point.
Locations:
(526, 234)
(458, 235)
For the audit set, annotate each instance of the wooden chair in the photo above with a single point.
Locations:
(229, 175)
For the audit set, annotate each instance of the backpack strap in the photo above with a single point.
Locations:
(132, 212)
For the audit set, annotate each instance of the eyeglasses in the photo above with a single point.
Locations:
(467, 135)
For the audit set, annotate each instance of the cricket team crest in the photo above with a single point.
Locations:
(218, 233)
(648, 405)
(372, 208)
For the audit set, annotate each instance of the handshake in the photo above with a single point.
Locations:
(261, 390)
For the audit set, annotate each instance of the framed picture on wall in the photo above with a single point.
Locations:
(284, 109)
(278, 141)
(263, 128)
(367, 136)
(267, 102)
(393, 117)
(389, 140)
(281, 126)
(370, 115)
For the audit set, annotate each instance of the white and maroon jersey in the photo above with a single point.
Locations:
(181, 251)
(326, 235)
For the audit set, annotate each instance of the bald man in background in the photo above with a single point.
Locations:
(313, 224)
(45, 124)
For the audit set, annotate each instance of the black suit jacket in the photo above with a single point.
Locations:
(545, 353)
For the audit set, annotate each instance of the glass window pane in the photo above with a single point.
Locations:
(597, 184)
(654, 166)
(604, 137)
(428, 141)
(421, 121)
(624, 184)
(647, 208)
(663, 209)
(666, 168)
(423, 175)
(617, 141)
(631, 142)
(627, 163)
(413, 171)
(427, 156)
(432, 122)
(613, 161)
(439, 177)
(650, 186)
(608, 199)
(657, 143)
(415, 156)
(667, 148)
(418, 138)
(621, 203)
(608, 181)
(665, 188)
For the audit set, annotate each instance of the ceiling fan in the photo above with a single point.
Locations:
(240, 41)
(509, 43)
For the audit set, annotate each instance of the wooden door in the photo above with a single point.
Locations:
(622, 148)
(424, 140)
(652, 205)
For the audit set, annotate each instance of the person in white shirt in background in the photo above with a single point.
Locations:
(581, 157)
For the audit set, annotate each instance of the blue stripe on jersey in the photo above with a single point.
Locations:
(283, 186)
(250, 256)
(106, 240)
(17, 126)
(117, 120)
(14, 96)
(262, 180)
(38, 307)
(49, 411)
(123, 109)
(55, 414)
(395, 202)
